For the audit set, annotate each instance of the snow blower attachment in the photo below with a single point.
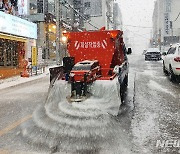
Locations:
(95, 55)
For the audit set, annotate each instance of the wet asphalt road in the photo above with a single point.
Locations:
(156, 115)
(16, 106)
(150, 113)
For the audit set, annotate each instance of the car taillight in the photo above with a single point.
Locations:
(177, 59)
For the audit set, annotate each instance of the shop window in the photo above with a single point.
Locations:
(87, 4)
(40, 6)
(1, 53)
(8, 53)
(33, 7)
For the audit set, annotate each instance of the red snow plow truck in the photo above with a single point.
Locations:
(97, 67)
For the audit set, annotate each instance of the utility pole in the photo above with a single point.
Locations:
(58, 32)
(159, 39)
(171, 27)
(45, 10)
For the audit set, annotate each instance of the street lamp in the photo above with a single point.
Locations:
(58, 32)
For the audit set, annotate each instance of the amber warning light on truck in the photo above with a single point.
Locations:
(64, 37)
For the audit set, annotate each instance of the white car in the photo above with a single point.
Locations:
(171, 62)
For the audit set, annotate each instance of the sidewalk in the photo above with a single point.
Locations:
(16, 80)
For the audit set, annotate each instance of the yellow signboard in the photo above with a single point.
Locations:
(34, 56)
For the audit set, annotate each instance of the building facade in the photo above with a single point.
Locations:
(76, 15)
(43, 12)
(166, 23)
(100, 14)
(117, 17)
(17, 36)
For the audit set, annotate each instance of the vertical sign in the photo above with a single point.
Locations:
(34, 56)
(166, 24)
(167, 11)
(40, 61)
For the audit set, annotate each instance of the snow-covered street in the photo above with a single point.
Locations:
(147, 123)
(156, 113)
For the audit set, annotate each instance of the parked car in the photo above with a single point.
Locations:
(171, 62)
(153, 54)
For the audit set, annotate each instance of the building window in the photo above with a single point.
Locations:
(9, 6)
(8, 53)
(87, 4)
(40, 6)
(93, 8)
(33, 7)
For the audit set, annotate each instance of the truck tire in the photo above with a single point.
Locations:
(126, 80)
(123, 89)
(178, 78)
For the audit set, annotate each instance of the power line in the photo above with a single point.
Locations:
(177, 17)
(136, 26)
(149, 33)
(81, 15)
(140, 35)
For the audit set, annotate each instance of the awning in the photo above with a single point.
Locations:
(13, 38)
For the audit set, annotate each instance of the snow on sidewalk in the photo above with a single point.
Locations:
(16, 80)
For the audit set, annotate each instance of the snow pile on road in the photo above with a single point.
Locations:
(145, 124)
(151, 112)
(155, 86)
(83, 127)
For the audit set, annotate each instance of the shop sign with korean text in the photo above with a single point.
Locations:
(16, 26)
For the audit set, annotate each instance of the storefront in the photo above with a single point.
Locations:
(11, 50)
(16, 38)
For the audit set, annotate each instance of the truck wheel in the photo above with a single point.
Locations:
(122, 93)
(172, 76)
(126, 81)
(178, 78)
(123, 89)
(164, 70)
